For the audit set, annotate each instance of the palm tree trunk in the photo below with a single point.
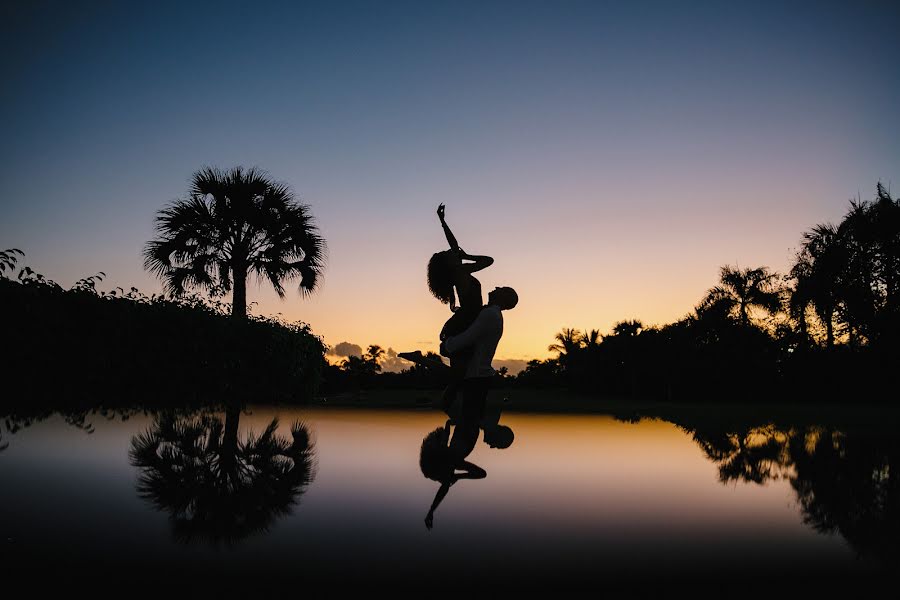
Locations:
(239, 294)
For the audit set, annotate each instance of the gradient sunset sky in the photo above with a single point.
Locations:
(611, 156)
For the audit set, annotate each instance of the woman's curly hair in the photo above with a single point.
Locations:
(434, 456)
(440, 276)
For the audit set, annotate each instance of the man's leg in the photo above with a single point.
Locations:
(458, 364)
(475, 391)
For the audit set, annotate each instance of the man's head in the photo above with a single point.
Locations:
(504, 297)
(500, 436)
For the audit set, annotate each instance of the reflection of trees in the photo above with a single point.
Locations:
(842, 477)
(216, 486)
(755, 454)
(14, 421)
(844, 484)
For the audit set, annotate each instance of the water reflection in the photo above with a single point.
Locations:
(215, 486)
(845, 478)
(795, 493)
(442, 456)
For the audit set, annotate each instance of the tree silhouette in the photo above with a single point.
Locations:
(869, 291)
(374, 354)
(628, 328)
(360, 366)
(233, 224)
(568, 342)
(8, 260)
(590, 340)
(817, 276)
(739, 290)
(850, 274)
(215, 486)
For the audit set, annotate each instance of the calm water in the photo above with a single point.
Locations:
(575, 498)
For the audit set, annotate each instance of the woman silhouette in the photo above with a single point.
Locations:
(447, 273)
(442, 458)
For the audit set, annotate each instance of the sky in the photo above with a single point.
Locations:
(610, 156)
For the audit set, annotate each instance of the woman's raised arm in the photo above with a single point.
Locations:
(479, 262)
(451, 239)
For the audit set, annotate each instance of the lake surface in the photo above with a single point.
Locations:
(575, 500)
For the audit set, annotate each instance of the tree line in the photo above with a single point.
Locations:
(830, 327)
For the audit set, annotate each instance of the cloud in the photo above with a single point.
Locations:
(391, 363)
(345, 349)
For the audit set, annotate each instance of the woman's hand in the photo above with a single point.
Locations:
(440, 211)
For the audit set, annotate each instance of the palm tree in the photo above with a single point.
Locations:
(8, 260)
(739, 290)
(628, 328)
(374, 353)
(591, 339)
(569, 341)
(886, 225)
(818, 273)
(234, 223)
(849, 273)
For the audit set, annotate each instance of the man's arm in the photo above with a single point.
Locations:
(479, 327)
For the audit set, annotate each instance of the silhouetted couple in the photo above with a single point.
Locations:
(470, 336)
(469, 339)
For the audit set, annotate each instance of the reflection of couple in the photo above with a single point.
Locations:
(469, 339)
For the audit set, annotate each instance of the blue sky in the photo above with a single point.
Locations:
(611, 156)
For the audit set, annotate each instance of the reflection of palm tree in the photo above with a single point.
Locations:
(740, 290)
(233, 224)
(754, 454)
(216, 486)
(846, 483)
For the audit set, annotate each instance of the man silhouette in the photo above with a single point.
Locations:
(443, 458)
(481, 338)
